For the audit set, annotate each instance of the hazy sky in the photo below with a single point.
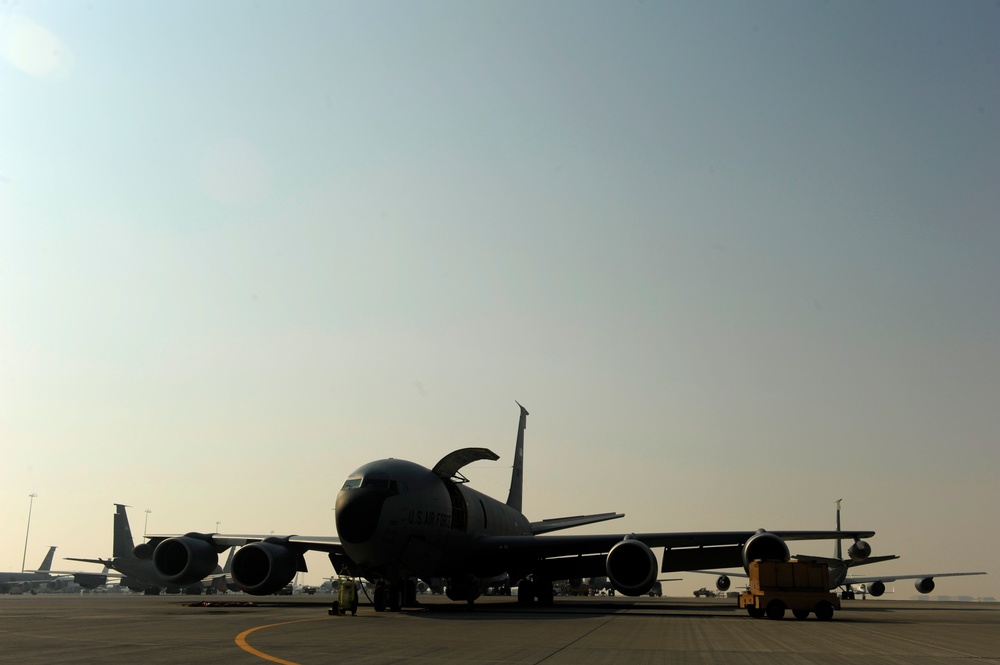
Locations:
(738, 259)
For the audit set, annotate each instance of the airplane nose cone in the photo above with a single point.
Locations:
(357, 513)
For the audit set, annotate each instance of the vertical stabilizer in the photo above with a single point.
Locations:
(836, 548)
(123, 544)
(47, 561)
(516, 476)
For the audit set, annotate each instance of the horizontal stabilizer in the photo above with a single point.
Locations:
(557, 523)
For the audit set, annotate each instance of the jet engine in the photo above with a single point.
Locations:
(186, 559)
(764, 546)
(859, 551)
(925, 585)
(876, 589)
(722, 584)
(264, 568)
(631, 567)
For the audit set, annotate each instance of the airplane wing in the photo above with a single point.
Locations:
(558, 523)
(224, 541)
(893, 578)
(831, 561)
(574, 556)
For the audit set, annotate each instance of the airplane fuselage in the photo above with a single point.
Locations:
(398, 519)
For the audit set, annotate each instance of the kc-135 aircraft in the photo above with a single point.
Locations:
(400, 522)
(140, 575)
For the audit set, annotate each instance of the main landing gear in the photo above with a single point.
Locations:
(394, 596)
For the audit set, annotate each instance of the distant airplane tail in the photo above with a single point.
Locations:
(837, 552)
(123, 544)
(517, 474)
(47, 561)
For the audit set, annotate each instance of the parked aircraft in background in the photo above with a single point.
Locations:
(400, 522)
(29, 580)
(140, 575)
(74, 581)
(593, 586)
(840, 576)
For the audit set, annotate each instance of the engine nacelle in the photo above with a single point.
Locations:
(859, 551)
(723, 583)
(264, 568)
(186, 559)
(631, 567)
(765, 547)
(876, 589)
(925, 585)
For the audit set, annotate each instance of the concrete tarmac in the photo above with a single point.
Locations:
(151, 630)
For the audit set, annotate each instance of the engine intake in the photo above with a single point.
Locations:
(876, 589)
(264, 568)
(631, 567)
(186, 559)
(859, 551)
(925, 585)
(764, 546)
(723, 583)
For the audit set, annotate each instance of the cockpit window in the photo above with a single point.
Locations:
(376, 483)
(352, 483)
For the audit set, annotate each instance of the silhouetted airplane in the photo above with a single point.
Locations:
(141, 575)
(28, 580)
(400, 522)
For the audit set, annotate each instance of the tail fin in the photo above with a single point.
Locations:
(123, 544)
(47, 561)
(516, 476)
(836, 548)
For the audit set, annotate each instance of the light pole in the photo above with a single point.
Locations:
(31, 501)
(217, 523)
(146, 523)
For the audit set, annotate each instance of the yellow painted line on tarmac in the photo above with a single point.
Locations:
(241, 641)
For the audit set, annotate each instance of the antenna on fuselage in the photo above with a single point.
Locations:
(516, 476)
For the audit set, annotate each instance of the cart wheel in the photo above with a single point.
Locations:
(824, 610)
(755, 612)
(775, 610)
(800, 614)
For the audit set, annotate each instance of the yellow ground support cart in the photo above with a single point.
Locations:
(347, 597)
(799, 586)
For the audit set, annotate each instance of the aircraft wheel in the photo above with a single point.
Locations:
(410, 594)
(545, 593)
(379, 599)
(775, 610)
(800, 614)
(525, 592)
(395, 597)
(824, 610)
